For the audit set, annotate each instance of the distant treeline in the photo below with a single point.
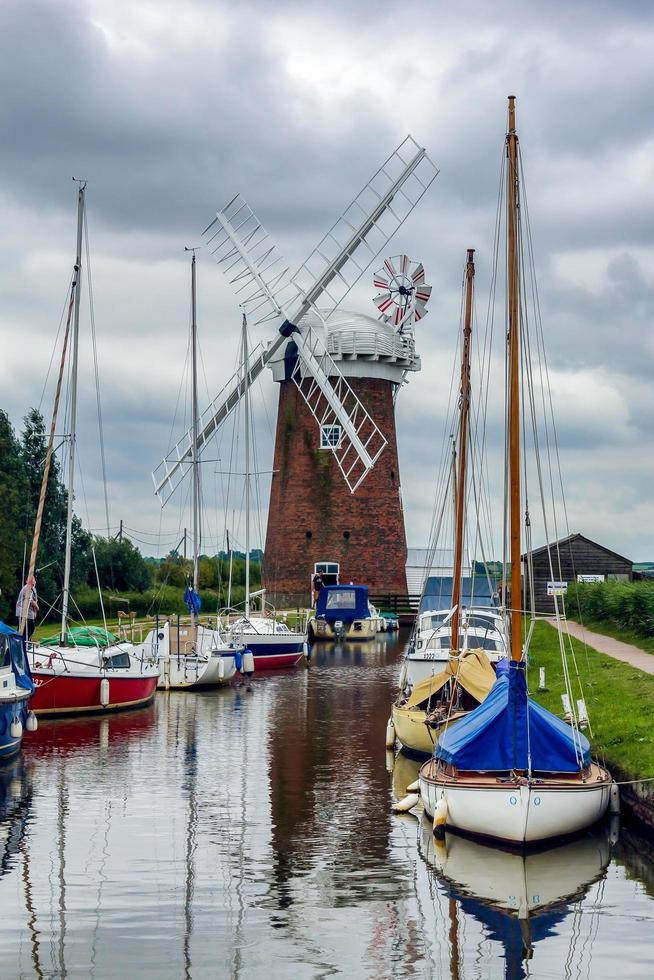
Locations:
(625, 605)
(148, 584)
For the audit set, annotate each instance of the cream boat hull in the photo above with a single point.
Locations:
(518, 812)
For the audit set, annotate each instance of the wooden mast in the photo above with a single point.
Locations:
(513, 356)
(464, 406)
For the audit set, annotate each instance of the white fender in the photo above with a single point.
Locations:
(408, 803)
(32, 722)
(614, 803)
(390, 734)
(16, 729)
(440, 816)
(104, 692)
(221, 667)
(403, 676)
(247, 665)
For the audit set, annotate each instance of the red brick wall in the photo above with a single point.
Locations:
(308, 494)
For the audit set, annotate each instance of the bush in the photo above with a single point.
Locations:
(626, 605)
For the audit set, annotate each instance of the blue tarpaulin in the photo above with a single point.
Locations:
(438, 592)
(510, 731)
(14, 644)
(192, 600)
(342, 602)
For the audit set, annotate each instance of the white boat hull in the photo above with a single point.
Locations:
(189, 656)
(181, 672)
(518, 812)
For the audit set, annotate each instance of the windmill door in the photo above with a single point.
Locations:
(328, 571)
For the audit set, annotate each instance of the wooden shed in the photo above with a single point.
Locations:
(573, 559)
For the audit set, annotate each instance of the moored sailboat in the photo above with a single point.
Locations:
(459, 643)
(511, 770)
(193, 655)
(73, 675)
(267, 639)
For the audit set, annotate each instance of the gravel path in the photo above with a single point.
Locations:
(614, 648)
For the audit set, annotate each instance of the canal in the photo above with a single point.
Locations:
(248, 833)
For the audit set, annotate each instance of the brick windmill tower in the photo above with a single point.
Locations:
(314, 522)
(338, 374)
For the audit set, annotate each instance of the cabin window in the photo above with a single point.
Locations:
(345, 599)
(330, 436)
(5, 656)
(117, 660)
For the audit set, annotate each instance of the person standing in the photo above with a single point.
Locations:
(28, 595)
(317, 586)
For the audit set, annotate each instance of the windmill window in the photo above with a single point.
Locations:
(346, 535)
(308, 535)
(330, 436)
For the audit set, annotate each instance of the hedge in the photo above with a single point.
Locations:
(626, 605)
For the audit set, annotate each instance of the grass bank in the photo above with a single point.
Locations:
(620, 701)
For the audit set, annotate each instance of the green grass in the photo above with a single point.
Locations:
(619, 698)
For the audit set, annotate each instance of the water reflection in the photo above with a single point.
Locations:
(242, 834)
(520, 898)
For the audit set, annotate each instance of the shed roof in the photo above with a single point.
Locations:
(575, 537)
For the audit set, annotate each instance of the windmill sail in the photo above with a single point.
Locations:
(266, 291)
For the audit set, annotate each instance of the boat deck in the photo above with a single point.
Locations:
(433, 772)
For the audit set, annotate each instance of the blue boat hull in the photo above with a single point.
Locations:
(12, 711)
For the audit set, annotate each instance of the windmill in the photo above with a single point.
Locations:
(303, 308)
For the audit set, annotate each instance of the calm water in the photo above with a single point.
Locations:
(248, 834)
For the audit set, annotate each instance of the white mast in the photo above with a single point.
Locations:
(246, 407)
(73, 413)
(195, 457)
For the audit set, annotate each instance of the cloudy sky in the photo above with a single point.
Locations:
(170, 108)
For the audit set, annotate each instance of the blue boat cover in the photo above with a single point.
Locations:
(342, 602)
(474, 591)
(510, 731)
(15, 644)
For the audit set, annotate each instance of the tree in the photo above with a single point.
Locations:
(120, 566)
(13, 516)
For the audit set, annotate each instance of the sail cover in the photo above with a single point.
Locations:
(510, 731)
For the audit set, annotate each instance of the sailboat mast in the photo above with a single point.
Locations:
(246, 408)
(73, 412)
(513, 297)
(195, 462)
(464, 397)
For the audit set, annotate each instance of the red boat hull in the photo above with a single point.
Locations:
(276, 660)
(71, 694)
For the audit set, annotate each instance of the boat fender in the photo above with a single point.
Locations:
(408, 803)
(238, 659)
(104, 692)
(32, 722)
(221, 669)
(440, 817)
(248, 662)
(16, 729)
(414, 787)
(390, 734)
(614, 802)
(403, 676)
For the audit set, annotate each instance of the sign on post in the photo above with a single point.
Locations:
(557, 588)
(591, 578)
